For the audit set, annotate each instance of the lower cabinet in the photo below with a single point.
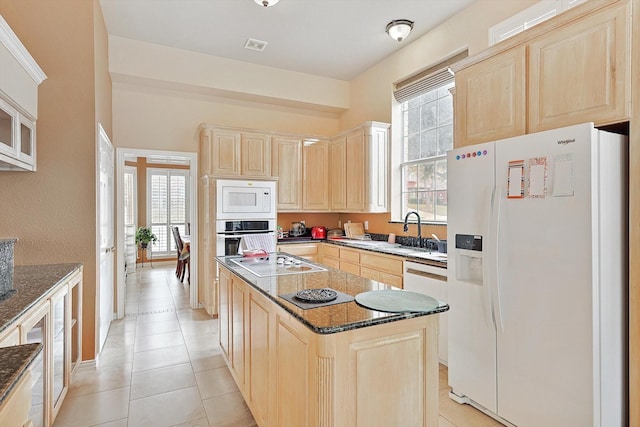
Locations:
(310, 251)
(15, 409)
(291, 376)
(53, 322)
(383, 268)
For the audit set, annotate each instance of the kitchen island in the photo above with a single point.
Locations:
(335, 365)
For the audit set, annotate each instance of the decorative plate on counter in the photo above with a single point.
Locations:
(396, 301)
(316, 295)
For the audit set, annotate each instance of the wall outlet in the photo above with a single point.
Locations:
(349, 221)
(339, 224)
(366, 225)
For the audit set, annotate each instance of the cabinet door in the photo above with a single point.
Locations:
(224, 313)
(338, 170)
(259, 357)
(287, 166)
(255, 155)
(36, 329)
(580, 72)
(225, 153)
(315, 160)
(238, 293)
(356, 171)
(490, 99)
(60, 348)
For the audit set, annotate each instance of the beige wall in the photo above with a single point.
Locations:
(53, 211)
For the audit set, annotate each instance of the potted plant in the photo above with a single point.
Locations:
(144, 236)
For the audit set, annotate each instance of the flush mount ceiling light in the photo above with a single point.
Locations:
(266, 3)
(399, 29)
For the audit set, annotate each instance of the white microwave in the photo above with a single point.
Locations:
(240, 199)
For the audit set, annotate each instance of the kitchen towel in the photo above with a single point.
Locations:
(258, 241)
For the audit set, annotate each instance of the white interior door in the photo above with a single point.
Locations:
(106, 232)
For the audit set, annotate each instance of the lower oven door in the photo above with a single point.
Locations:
(228, 244)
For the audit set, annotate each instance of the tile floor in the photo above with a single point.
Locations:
(161, 366)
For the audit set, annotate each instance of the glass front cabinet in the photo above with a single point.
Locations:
(21, 77)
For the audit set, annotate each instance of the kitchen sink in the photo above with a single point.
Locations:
(434, 256)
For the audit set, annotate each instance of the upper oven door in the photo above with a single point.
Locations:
(238, 199)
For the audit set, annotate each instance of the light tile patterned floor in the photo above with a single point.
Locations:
(161, 366)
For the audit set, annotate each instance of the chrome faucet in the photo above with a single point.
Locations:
(406, 225)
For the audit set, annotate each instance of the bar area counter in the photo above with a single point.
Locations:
(339, 364)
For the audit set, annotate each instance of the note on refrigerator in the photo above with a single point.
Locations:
(515, 180)
(537, 177)
(563, 175)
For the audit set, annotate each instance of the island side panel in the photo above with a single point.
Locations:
(387, 374)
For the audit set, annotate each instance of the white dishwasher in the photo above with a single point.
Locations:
(432, 281)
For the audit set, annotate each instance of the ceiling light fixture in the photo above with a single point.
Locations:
(399, 29)
(266, 3)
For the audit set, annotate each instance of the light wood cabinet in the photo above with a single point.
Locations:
(581, 72)
(219, 151)
(383, 268)
(227, 152)
(238, 294)
(20, 77)
(360, 169)
(295, 377)
(315, 170)
(14, 411)
(224, 315)
(310, 251)
(338, 173)
(571, 69)
(498, 82)
(255, 155)
(287, 166)
(52, 322)
(10, 337)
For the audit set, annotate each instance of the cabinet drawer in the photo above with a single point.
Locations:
(388, 264)
(350, 268)
(350, 255)
(331, 251)
(391, 279)
(331, 262)
(368, 273)
(300, 250)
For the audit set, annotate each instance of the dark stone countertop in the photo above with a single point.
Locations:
(14, 362)
(331, 318)
(31, 283)
(407, 252)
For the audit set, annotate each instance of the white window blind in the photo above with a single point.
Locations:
(167, 207)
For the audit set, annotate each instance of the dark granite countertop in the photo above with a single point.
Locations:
(14, 362)
(31, 284)
(327, 319)
(407, 252)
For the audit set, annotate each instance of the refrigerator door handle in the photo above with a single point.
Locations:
(490, 271)
(495, 299)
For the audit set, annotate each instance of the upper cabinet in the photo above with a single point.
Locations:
(233, 153)
(286, 164)
(19, 80)
(315, 175)
(571, 69)
(499, 81)
(589, 60)
(349, 173)
(359, 160)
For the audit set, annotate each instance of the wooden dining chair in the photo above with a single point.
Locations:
(180, 263)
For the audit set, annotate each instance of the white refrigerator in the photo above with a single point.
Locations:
(537, 278)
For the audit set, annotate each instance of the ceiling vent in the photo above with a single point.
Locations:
(254, 44)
